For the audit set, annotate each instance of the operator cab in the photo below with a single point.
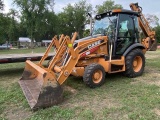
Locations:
(121, 27)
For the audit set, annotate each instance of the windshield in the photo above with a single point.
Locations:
(104, 25)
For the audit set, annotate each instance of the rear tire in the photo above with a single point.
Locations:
(135, 63)
(94, 75)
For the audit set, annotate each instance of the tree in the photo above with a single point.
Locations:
(34, 16)
(73, 18)
(1, 22)
(4, 24)
(152, 19)
(52, 25)
(1, 5)
(80, 17)
(51, 5)
(66, 20)
(13, 25)
(157, 30)
(86, 32)
(154, 23)
(106, 6)
(9, 25)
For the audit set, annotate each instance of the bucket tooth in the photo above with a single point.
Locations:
(39, 87)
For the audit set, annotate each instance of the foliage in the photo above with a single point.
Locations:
(107, 5)
(1, 5)
(157, 30)
(9, 27)
(13, 26)
(153, 20)
(73, 18)
(86, 33)
(37, 20)
(33, 16)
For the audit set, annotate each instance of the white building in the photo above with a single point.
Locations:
(46, 42)
(25, 41)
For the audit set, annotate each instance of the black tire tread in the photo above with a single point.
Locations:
(87, 75)
(129, 72)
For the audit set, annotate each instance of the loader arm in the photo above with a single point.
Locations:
(54, 43)
(42, 85)
(73, 55)
(149, 42)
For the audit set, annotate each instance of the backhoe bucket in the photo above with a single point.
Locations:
(153, 46)
(40, 87)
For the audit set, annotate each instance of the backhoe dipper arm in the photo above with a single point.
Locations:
(149, 42)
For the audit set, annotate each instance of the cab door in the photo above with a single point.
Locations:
(127, 33)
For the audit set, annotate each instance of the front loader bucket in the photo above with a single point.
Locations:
(39, 87)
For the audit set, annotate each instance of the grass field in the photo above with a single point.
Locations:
(120, 98)
(20, 51)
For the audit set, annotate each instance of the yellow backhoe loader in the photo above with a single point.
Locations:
(114, 46)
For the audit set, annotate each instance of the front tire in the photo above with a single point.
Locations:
(135, 63)
(94, 75)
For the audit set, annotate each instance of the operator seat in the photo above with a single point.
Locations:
(128, 38)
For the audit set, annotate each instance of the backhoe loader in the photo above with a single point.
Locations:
(114, 46)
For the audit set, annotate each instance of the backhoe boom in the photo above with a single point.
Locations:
(149, 42)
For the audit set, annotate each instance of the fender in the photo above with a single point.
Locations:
(136, 45)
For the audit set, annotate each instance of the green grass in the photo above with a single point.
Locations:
(23, 51)
(120, 98)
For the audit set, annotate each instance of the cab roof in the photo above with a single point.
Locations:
(125, 11)
(116, 11)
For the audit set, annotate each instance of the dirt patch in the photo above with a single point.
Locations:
(93, 103)
(96, 104)
(157, 111)
(108, 102)
(15, 113)
(149, 57)
(151, 76)
(70, 89)
(8, 83)
(117, 115)
(152, 54)
(81, 101)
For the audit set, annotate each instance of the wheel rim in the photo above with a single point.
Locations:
(137, 63)
(97, 76)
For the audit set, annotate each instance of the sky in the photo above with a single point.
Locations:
(149, 6)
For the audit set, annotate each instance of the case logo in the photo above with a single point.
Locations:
(94, 44)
